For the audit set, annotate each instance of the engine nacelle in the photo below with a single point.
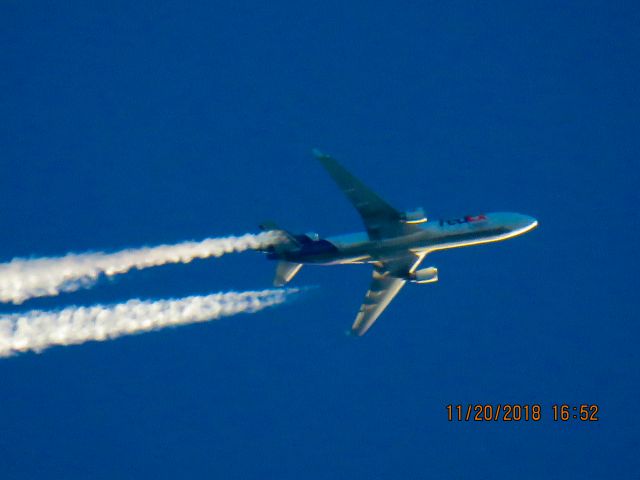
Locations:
(414, 216)
(425, 275)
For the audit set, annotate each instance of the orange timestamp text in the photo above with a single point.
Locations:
(515, 412)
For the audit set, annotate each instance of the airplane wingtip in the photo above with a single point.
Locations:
(353, 333)
(318, 154)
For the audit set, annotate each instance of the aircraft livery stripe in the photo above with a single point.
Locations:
(461, 237)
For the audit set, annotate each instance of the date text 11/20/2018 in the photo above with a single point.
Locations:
(514, 412)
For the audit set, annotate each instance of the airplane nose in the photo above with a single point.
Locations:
(525, 222)
(532, 222)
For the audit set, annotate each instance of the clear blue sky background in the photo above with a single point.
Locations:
(131, 123)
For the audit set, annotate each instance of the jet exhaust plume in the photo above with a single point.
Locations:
(21, 278)
(37, 330)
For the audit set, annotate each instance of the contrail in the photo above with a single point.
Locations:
(22, 278)
(37, 330)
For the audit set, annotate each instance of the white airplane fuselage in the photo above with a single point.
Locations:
(432, 235)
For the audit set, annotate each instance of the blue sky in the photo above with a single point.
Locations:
(130, 124)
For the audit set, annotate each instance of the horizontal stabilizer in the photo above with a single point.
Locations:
(268, 226)
(285, 271)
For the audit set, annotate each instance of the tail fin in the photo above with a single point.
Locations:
(285, 271)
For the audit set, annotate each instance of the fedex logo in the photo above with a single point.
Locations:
(466, 219)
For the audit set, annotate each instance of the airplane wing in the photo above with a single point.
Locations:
(387, 281)
(380, 218)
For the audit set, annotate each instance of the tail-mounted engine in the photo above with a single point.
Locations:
(424, 275)
(414, 216)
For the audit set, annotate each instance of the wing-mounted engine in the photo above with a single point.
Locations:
(414, 216)
(424, 275)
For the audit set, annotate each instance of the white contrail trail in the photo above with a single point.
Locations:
(22, 278)
(37, 330)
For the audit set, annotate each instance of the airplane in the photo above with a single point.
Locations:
(395, 242)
